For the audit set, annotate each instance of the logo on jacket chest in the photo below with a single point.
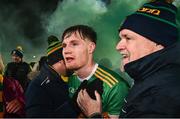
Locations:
(72, 90)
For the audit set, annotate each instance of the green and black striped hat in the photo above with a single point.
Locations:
(155, 21)
(54, 50)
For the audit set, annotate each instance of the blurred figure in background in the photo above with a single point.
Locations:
(35, 70)
(18, 69)
(1, 86)
(13, 98)
(1, 65)
(14, 85)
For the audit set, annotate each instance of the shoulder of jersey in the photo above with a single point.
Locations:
(106, 76)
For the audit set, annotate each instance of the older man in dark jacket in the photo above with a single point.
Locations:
(47, 94)
(150, 55)
(153, 62)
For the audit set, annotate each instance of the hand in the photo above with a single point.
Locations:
(88, 105)
(13, 106)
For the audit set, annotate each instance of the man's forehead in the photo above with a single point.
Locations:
(74, 33)
(122, 33)
(14, 55)
(72, 37)
(126, 32)
(67, 35)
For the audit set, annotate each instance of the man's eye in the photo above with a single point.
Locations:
(74, 44)
(128, 38)
(63, 45)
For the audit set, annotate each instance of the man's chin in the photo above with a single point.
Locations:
(122, 68)
(71, 68)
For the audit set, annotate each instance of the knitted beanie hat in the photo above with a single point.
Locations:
(54, 50)
(155, 21)
(18, 52)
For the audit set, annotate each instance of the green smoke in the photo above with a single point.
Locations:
(105, 19)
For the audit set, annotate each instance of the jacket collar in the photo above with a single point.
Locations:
(149, 64)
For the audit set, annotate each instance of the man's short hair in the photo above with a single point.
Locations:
(83, 30)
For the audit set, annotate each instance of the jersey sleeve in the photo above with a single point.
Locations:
(115, 98)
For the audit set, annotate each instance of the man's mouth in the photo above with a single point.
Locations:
(69, 59)
(124, 56)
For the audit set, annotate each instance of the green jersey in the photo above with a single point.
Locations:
(112, 88)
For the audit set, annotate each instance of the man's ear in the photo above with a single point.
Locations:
(92, 47)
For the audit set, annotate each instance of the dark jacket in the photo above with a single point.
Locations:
(19, 72)
(156, 92)
(47, 96)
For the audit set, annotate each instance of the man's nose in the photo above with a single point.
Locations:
(120, 46)
(66, 49)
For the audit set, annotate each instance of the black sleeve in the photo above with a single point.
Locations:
(48, 101)
(27, 67)
(65, 110)
(38, 103)
(5, 70)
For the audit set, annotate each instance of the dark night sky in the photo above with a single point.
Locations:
(21, 24)
(26, 14)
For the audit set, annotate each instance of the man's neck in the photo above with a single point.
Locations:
(85, 71)
(18, 62)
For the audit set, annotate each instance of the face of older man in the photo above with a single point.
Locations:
(133, 46)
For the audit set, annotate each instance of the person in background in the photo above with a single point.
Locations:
(14, 85)
(35, 70)
(18, 69)
(79, 43)
(1, 65)
(1, 86)
(150, 49)
(47, 94)
(31, 64)
(13, 98)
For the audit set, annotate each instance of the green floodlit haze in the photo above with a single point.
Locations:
(104, 18)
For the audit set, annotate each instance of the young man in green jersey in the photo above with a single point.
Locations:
(79, 43)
